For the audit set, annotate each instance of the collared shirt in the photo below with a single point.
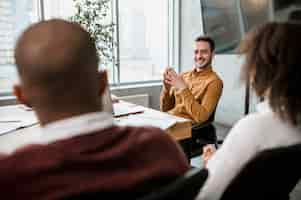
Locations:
(75, 126)
(198, 101)
(252, 134)
(58, 130)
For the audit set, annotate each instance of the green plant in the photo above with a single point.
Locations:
(96, 17)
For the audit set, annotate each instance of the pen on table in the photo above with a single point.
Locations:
(127, 114)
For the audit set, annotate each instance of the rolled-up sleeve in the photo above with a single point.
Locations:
(167, 100)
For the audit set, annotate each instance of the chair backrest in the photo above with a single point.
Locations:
(202, 134)
(185, 187)
(205, 131)
(295, 15)
(212, 116)
(272, 174)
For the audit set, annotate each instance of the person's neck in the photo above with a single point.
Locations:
(46, 116)
(201, 69)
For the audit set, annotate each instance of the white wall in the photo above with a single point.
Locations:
(231, 105)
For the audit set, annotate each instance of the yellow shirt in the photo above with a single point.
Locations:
(198, 100)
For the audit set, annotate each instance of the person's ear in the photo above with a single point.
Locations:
(18, 92)
(103, 82)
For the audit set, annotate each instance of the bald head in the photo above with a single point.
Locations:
(57, 63)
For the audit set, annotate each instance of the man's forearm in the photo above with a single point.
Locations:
(167, 101)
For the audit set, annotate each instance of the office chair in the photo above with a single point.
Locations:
(185, 187)
(202, 134)
(272, 174)
(295, 16)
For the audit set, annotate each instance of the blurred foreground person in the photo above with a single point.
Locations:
(79, 150)
(273, 67)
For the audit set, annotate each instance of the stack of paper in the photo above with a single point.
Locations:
(15, 117)
(146, 120)
(122, 109)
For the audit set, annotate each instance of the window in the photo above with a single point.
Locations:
(254, 12)
(58, 9)
(228, 21)
(221, 22)
(14, 17)
(143, 39)
(143, 47)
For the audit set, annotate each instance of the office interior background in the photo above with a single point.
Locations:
(150, 35)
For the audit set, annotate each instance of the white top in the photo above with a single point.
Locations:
(58, 130)
(252, 134)
(75, 126)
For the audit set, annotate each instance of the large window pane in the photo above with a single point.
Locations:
(58, 9)
(228, 21)
(144, 47)
(255, 12)
(15, 15)
(143, 44)
(143, 39)
(222, 23)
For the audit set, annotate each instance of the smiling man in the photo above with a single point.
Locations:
(193, 94)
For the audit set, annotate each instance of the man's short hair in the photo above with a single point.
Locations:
(206, 39)
(57, 60)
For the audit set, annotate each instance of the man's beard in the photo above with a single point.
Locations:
(203, 65)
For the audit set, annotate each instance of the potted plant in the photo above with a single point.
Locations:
(96, 17)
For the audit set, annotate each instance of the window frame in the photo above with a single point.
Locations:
(240, 20)
(8, 95)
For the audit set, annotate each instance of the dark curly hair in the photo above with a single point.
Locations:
(273, 67)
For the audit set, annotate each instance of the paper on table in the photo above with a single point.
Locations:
(124, 109)
(146, 120)
(7, 127)
(15, 117)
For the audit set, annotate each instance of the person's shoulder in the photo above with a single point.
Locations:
(23, 154)
(256, 123)
(214, 77)
(149, 133)
(155, 140)
(156, 146)
(153, 137)
(138, 134)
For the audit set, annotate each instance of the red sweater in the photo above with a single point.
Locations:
(125, 159)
